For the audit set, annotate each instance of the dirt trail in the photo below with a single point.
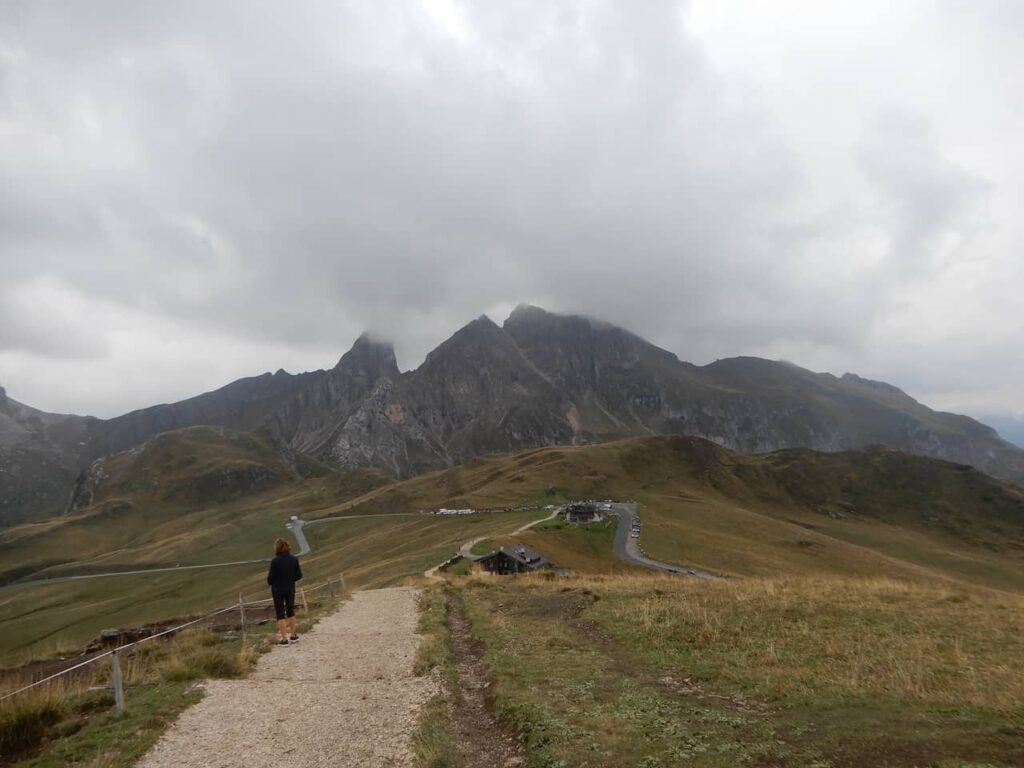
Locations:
(345, 695)
(464, 550)
(481, 740)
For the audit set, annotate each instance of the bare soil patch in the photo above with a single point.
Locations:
(482, 741)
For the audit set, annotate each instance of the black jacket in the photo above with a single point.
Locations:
(284, 572)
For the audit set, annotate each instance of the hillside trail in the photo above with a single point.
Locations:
(466, 549)
(344, 695)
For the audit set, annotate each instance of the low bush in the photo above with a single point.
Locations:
(207, 662)
(26, 718)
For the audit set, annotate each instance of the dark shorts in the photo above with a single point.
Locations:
(284, 604)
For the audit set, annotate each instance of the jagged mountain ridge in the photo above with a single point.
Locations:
(546, 379)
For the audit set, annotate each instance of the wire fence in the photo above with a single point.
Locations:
(113, 653)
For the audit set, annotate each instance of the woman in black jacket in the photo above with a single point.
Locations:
(284, 572)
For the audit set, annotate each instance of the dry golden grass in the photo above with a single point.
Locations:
(25, 718)
(808, 670)
(827, 634)
(432, 741)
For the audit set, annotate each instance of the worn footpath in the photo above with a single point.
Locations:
(344, 695)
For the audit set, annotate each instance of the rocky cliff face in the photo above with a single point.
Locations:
(311, 419)
(243, 404)
(41, 454)
(546, 379)
(540, 379)
(474, 394)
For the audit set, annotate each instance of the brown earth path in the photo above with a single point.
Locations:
(344, 695)
(464, 550)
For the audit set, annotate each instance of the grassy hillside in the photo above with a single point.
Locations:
(210, 495)
(654, 671)
(861, 512)
(202, 496)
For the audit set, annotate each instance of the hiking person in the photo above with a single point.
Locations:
(284, 572)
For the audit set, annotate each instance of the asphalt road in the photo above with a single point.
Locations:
(466, 549)
(628, 549)
(295, 526)
(139, 572)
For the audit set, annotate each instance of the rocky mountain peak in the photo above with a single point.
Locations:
(370, 356)
(477, 353)
(530, 320)
(526, 313)
(541, 333)
(482, 324)
(474, 337)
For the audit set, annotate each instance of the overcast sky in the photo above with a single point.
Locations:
(194, 192)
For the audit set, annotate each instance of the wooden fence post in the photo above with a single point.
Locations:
(330, 586)
(305, 605)
(241, 610)
(118, 684)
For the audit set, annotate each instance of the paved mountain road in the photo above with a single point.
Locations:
(344, 696)
(466, 549)
(627, 548)
(295, 526)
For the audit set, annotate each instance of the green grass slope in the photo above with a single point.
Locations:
(212, 495)
(198, 496)
(649, 671)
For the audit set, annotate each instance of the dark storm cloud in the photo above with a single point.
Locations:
(261, 176)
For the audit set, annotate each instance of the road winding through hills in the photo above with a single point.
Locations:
(296, 527)
(465, 549)
(627, 548)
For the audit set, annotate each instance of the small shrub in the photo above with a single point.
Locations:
(93, 701)
(26, 718)
(432, 743)
(206, 638)
(202, 663)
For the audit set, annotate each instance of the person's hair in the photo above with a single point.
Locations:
(282, 547)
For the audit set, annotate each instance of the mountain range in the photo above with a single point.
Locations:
(539, 379)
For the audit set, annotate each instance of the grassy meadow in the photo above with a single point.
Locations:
(651, 671)
(180, 500)
(873, 616)
(59, 619)
(72, 720)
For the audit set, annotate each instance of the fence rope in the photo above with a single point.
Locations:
(132, 644)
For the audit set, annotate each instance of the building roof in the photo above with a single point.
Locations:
(523, 554)
(520, 553)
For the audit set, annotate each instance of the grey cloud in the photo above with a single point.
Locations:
(930, 198)
(290, 175)
(28, 323)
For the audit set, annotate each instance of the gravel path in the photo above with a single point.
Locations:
(345, 695)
